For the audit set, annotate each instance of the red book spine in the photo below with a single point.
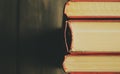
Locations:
(94, 73)
(98, 17)
(95, 53)
(95, 0)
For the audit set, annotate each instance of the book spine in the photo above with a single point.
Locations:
(95, 0)
(94, 73)
(80, 53)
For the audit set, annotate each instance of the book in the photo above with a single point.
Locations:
(94, 73)
(91, 64)
(92, 36)
(95, 0)
(92, 9)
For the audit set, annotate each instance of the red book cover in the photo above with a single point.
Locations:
(95, 0)
(94, 73)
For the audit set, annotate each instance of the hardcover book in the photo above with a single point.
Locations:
(93, 9)
(94, 73)
(92, 63)
(92, 36)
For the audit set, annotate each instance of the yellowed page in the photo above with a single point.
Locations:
(95, 36)
(92, 64)
(92, 9)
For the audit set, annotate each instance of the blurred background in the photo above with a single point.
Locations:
(31, 36)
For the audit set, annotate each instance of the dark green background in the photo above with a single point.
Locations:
(31, 36)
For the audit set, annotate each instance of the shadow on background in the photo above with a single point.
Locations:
(31, 36)
(47, 47)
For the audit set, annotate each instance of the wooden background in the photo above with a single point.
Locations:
(31, 36)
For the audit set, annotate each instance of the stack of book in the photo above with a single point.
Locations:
(92, 37)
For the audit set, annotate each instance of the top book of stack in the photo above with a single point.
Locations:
(92, 9)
